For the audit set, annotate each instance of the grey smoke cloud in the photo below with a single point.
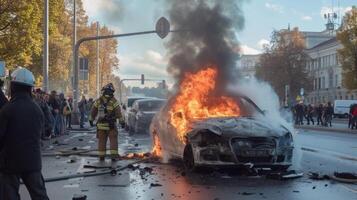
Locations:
(209, 37)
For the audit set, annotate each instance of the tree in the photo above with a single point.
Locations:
(348, 54)
(20, 37)
(284, 63)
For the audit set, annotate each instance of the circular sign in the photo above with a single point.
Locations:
(162, 27)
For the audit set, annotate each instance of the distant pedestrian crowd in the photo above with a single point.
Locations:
(322, 114)
(58, 112)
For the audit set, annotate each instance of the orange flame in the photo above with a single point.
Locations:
(156, 150)
(195, 100)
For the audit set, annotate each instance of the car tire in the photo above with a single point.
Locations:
(188, 159)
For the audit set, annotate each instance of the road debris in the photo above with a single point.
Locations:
(344, 177)
(155, 185)
(79, 197)
(292, 174)
(317, 176)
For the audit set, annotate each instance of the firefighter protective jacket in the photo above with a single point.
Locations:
(107, 111)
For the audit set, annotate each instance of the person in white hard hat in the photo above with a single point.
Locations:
(21, 125)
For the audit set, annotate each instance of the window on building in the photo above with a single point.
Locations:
(340, 97)
(330, 80)
(352, 97)
(323, 82)
(336, 80)
(319, 85)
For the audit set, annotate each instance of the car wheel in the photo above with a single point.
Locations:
(188, 159)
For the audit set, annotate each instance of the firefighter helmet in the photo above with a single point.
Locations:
(23, 76)
(108, 89)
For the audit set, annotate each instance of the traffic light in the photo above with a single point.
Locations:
(142, 79)
(163, 84)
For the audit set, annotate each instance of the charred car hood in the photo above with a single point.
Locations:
(240, 127)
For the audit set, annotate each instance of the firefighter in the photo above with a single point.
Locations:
(107, 109)
(21, 126)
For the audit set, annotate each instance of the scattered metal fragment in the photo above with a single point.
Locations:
(247, 193)
(285, 175)
(155, 185)
(317, 176)
(111, 185)
(79, 197)
(345, 177)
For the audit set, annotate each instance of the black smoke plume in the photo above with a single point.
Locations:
(206, 36)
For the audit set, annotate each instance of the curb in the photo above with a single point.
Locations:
(328, 129)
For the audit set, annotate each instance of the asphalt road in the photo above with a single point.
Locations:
(317, 151)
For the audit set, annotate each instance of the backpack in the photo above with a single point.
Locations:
(67, 109)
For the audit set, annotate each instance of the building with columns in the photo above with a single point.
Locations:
(326, 71)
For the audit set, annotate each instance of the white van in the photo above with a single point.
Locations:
(341, 108)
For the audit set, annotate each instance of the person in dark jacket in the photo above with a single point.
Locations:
(82, 106)
(319, 112)
(3, 99)
(328, 114)
(21, 125)
(309, 113)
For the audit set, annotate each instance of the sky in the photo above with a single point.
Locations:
(146, 54)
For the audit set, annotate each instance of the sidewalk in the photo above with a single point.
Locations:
(336, 127)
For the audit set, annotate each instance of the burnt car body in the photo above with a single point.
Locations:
(250, 139)
(141, 114)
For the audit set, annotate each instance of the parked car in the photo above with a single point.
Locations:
(141, 114)
(250, 138)
(126, 107)
(341, 108)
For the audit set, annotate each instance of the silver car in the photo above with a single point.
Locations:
(141, 114)
(250, 139)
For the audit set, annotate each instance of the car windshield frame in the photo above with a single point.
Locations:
(159, 104)
(131, 101)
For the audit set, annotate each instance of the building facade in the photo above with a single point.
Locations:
(326, 71)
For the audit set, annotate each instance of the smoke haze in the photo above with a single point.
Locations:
(206, 38)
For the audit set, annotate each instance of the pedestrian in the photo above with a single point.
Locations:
(89, 107)
(329, 114)
(82, 106)
(310, 114)
(319, 113)
(62, 103)
(350, 115)
(107, 109)
(68, 112)
(55, 109)
(299, 109)
(354, 117)
(21, 125)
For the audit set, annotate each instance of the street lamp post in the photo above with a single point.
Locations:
(45, 48)
(162, 30)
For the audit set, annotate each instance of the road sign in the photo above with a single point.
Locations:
(162, 27)
(83, 68)
(2, 69)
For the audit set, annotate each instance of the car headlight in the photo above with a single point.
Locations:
(286, 140)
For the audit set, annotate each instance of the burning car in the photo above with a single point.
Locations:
(206, 130)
